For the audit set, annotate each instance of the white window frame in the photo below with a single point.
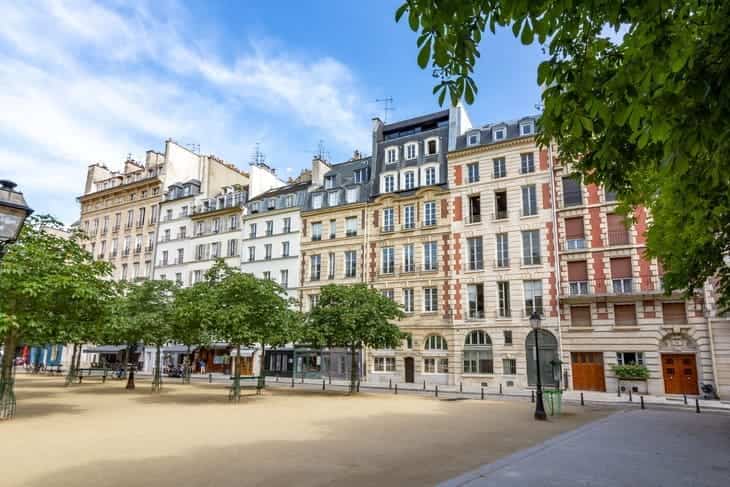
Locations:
(409, 217)
(430, 300)
(531, 128)
(496, 130)
(391, 155)
(425, 146)
(408, 300)
(429, 213)
(426, 170)
(317, 201)
(393, 186)
(408, 147)
(470, 136)
(409, 175)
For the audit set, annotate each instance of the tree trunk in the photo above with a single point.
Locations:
(237, 375)
(72, 367)
(7, 392)
(186, 368)
(130, 367)
(78, 360)
(353, 370)
(157, 378)
(262, 369)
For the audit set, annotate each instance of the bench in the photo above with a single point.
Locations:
(247, 382)
(94, 373)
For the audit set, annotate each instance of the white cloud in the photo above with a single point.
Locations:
(84, 82)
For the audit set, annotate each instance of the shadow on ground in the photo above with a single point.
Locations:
(27, 411)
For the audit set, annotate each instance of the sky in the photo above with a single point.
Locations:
(84, 82)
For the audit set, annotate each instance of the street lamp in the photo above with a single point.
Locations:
(539, 406)
(13, 212)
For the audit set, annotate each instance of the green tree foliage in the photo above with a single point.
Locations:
(192, 323)
(354, 316)
(636, 96)
(51, 291)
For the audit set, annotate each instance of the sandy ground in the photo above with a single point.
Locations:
(102, 435)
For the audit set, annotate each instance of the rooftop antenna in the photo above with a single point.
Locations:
(321, 152)
(387, 106)
(258, 157)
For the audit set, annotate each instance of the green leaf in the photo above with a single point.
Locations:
(425, 54)
(526, 34)
(413, 19)
(401, 10)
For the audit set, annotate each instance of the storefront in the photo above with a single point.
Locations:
(307, 362)
(214, 358)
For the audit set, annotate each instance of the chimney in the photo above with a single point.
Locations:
(319, 168)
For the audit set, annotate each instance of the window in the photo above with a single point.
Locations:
(572, 194)
(531, 247)
(472, 172)
(178, 278)
(618, 232)
(526, 128)
(431, 147)
(529, 200)
(316, 201)
(215, 250)
(350, 263)
(430, 173)
(527, 163)
(182, 231)
(351, 194)
(267, 275)
(409, 217)
(267, 251)
(153, 215)
(476, 260)
(233, 222)
(313, 301)
(509, 366)
(505, 309)
(329, 182)
(499, 134)
(580, 316)
(624, 314)
(409, 261)
(578, 278)
(332, 198)
(180, 256)
(232, 247)
(361, 175)
(500, 205)
(475, 293)
(285, 249)
(475, 208)
(289, 201)
(478, 353)
(331, 265)
(500, 167)
(388, 220)
(472, 139)
(197, 276)
(609, 195)
(430, 256)
(674, 313)
(130, 217)
(621, 277)
(199, 228)
(216, 225)
(575, 233)
(252, 230)
(436, 365)
(411, 151)
(507, 337)
(317, 231)
(502, 250)
(630, 358)
(166, 235)
(430, 299)
(140, 219)
(389, 183)
(533, 297)
(435, 342)
(408, 301)
(284, 280)
(124, 272)
(410, 180)
(429, 213)
(251, 254)
(201, 251)
(333, 229)
(315, 267)
(269, 227)
(351, 226)
(388, 260)
(388, 293)
(384, 364)
(286, 225)
(391, 155)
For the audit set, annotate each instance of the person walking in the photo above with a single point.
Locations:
(201, 366)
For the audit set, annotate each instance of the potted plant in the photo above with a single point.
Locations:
(634, 377)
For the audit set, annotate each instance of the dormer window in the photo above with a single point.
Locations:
(255, 207)
(351, 194)
(329, 182)
(271, 203)
(432, 147)
(411, 151)
(290, 201)
(472, 139)
(409, 180)
(360, 175)
(500, 134)
(317, 201)
(389, 183)
(527, 128)
(391, 155)
(332, 199)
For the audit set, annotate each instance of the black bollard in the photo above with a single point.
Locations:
(424, 384)
(631, 399)
(277, 378)
(500, 389)
(358, 386)
(532, 396)
(292, 380)
(582, 402)
(330, 379)
(642, 402)
(697, 406)
(210, 378)
(436, 390)
(482, 393)
(685, 398)
(396, 389)
(390, 383)
(302, 378)
(618, 390)
(323, 383)
(461, 387)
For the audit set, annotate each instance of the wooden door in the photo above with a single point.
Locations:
(680, 373)
(588, 372)
(246, 366)
(409, 369)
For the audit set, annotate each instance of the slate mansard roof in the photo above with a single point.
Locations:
(344, 179)
(486, 133)
(279, 198)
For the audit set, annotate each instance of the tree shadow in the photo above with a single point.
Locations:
(37, 410)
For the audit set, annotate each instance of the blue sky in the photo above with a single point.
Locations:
(94, 81)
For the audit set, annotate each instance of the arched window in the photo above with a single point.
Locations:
(435, 342)
(548, 354)
(478, 357)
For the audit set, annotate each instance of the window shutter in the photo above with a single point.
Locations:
(674, 313)
(624, 314)
(577, 271)
(574, 228)
(616, 223)
(580, 316)
(621, 267)
(375, 218)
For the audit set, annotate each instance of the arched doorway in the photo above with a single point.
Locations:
(548, 354)
(409, 367)
(679, 364)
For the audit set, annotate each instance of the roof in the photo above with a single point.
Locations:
(486, 137)
(416, 120)
(282, 190)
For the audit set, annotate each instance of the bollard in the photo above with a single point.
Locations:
(461, 387)
(532, 396)
(396, 389)
(697, 406)
(482, 393)
(323, 382)
(390, 383)
(103, 378)
(631, 399)
(292, 380)
(436, 390)
(582, 402)
(500, 389)
(618, 390)
(277, 378)
(210, 378)
(330, 379)
(685, 398)
(642, 402)
(358, 386)
(424, 384)
(302, 378)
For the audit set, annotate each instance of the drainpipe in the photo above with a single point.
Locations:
(556, 247)
(708, 317)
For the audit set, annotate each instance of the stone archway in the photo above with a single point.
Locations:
(548, 353)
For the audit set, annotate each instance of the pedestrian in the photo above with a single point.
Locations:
(201, 366)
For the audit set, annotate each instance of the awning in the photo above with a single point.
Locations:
(245, 352)
(177, 348)
(105, 349)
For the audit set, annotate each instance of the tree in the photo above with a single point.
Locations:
(192, 323)
(643, 110)
(354, 316)
(50, 288)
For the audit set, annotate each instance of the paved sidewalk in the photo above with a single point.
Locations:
(649, 448)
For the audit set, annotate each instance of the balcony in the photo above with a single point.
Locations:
(499, 215)
(115, 229)
(572, 198)
(409, 226)
(351, 233)
(138, 250)
(388, 228)
(620, 288)
(621, 237)
(230, 200)
(502, 263)
(531, 260)
(316, 238)
(125, 252)
(575, 244)
(148, 249)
